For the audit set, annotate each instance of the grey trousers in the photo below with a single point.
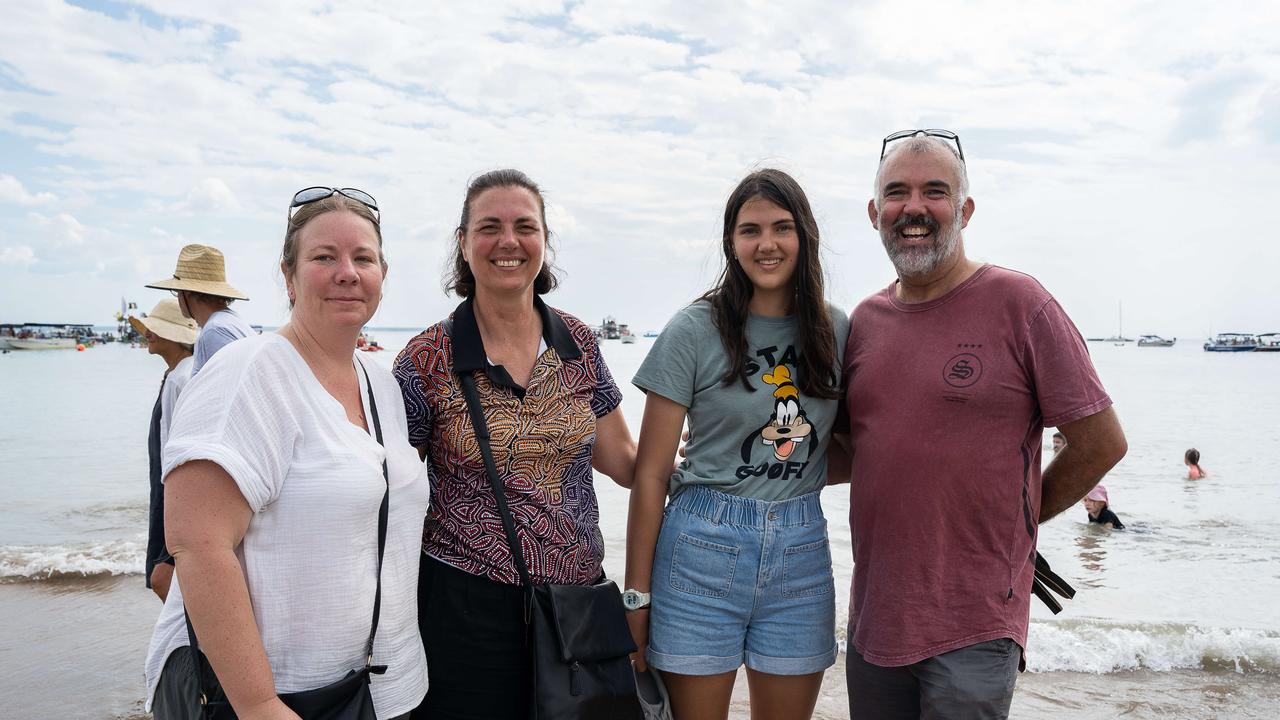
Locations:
(971, 683)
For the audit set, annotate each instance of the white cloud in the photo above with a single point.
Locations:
(59, 231)
(12, 191)
(210, 195)
(1100, 125)
(19, 256)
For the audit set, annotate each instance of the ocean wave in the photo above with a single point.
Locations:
(34, 563)
(1100, 648)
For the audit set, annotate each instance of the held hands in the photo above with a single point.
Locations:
(638, 620)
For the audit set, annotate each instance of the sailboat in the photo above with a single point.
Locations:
(1119, 339)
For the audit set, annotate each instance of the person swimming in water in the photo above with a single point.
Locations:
(1192, 460)
(1059, 442)
(1099, 509)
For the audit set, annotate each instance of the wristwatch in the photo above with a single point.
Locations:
(634, 599)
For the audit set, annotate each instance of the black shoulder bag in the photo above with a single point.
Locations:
(580, 641)
(345, 699)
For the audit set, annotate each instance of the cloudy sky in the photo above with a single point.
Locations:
(1121, 152)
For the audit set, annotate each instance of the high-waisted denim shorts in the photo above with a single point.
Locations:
(739, 580)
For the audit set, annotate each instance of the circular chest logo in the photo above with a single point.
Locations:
(962, 370)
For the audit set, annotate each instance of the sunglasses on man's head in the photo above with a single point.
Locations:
(309, 195)
(944, 134)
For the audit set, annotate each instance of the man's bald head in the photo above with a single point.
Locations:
(926, 144)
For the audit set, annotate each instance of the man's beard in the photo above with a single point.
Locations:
(917, 261)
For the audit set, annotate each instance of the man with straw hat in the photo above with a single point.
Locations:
(171, 336)
(200, 283)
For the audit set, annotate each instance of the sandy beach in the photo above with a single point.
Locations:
(101, 676)
(1140, 695)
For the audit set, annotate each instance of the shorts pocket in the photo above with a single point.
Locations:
(703, 568)
(806, 570)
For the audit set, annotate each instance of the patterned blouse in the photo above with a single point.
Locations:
(542, 440)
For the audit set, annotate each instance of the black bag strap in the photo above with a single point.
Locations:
(383, 512)
(495, 480)
(1045, 580)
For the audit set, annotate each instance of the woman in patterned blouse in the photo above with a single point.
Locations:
(552, 410)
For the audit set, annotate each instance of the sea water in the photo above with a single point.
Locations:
(1185, 595)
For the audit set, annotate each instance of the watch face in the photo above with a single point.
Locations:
(633, 600)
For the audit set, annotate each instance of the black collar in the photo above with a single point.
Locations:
(468, 347)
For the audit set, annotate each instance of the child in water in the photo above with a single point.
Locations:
(1192, 459)
(1099, 511)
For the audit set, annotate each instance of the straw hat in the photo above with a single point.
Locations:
(200, 269)
(166, 321)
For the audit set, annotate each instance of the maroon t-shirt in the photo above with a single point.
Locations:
(947, 401)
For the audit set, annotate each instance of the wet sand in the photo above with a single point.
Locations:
(1140, 695)
(74, 648)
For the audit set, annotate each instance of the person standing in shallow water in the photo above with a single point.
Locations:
(171, 336)
(552, 409)
(978, 359)
(737, 569)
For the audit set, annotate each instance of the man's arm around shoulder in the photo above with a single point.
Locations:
(1094, 445)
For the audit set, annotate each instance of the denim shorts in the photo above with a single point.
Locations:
(739, 580)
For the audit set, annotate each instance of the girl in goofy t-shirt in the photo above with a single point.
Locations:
(737, 569)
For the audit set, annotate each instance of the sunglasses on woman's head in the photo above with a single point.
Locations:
(309, 195)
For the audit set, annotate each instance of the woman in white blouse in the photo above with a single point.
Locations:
(273, 485)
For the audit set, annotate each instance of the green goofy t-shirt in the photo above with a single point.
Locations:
(770, 444)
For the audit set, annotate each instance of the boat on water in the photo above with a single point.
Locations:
(45, 336)
(1155, 341)
(364, 342)
(1118, 339)
(1231, 342)
(651, 334)
(609, 328)
(624, 334)
(1267, 342)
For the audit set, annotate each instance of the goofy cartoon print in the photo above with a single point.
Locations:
(787, 429)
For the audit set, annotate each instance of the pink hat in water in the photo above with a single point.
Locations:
(1098, 493)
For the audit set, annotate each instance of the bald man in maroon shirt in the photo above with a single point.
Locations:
(953, 371)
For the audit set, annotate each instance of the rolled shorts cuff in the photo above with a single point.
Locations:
(793, 666)
(693, 664)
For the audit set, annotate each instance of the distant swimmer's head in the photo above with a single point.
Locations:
(1059, 442)
(1191, 457)
(332, 258)
(1096, 500)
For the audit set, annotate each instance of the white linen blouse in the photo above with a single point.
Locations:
(314, 482)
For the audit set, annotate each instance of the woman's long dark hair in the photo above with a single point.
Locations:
(732, 292)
